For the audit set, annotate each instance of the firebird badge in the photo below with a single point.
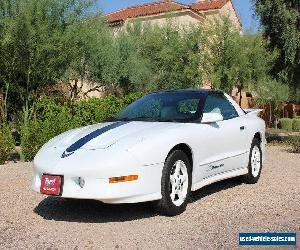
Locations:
(212, 167)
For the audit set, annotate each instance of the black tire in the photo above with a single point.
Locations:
(165, 206)
(251, 177)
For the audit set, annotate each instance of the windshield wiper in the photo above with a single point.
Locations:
(144, 118)
(114, 119)
(140, 118)
(167, 120)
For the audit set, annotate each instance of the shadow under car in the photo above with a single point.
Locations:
(92, 211)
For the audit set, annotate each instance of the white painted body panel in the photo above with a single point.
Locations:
(219, 150)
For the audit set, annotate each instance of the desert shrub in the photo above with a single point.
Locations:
(6, 143)
(31, 139)
(296, 125)
(36, 133)
(294, 141)
(53, 119)
(286, 124)
(95, 110)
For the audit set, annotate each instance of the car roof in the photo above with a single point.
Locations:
(195, 91)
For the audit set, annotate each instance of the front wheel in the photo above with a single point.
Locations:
(255, 162)
(175, 184)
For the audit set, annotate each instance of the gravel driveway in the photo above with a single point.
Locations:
(213, 218)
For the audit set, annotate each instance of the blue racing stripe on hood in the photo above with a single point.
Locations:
(84, 140)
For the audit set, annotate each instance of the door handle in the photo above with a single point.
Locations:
(242, 128)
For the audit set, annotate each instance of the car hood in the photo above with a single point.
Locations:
(103, 135)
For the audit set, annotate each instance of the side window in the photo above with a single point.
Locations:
(189, 106)
(218, 103)
(183, 109)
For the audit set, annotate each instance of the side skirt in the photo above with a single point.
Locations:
(219, 177)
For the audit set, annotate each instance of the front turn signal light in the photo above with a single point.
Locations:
(123, 178)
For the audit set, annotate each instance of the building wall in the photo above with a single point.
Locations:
(181, 19)
(227, 11)
(184, 18)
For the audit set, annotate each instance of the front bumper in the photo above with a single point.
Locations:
(95, 167)
(146, 188)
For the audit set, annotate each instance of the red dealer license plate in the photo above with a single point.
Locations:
(51, 184)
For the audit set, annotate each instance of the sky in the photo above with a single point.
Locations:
(243, 7)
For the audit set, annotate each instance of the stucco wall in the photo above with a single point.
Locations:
(227, 10)
(185, 18)
(181, 19)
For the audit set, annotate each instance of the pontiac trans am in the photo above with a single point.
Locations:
(159, 149)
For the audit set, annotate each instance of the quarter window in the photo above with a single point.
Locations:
(218, 103)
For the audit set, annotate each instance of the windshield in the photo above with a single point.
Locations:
(165, 107)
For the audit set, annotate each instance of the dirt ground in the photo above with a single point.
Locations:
(214, 216)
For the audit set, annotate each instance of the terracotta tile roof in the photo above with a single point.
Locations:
(163, 7)
(145, 10)
(209, 5)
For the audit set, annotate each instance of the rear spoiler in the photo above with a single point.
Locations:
(253, 111)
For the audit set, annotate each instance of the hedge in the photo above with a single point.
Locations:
(53, 119)
(290, 124)
(35, 134)
(286, 124)
(6, 143)
(296, 124)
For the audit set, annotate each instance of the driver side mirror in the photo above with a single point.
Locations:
(211, 118)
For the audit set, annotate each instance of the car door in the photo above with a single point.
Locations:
(223, 143)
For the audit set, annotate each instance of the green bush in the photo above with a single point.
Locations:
(286, 124)
(95, 110)
(35, 134)
(6, 143)
(31, 139)
(53, 119)
(294, 141)
(296, 125)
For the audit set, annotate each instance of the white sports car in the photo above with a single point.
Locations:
(160, 148)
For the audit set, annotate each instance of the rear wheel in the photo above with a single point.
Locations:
(175, 184)
(255, 162)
